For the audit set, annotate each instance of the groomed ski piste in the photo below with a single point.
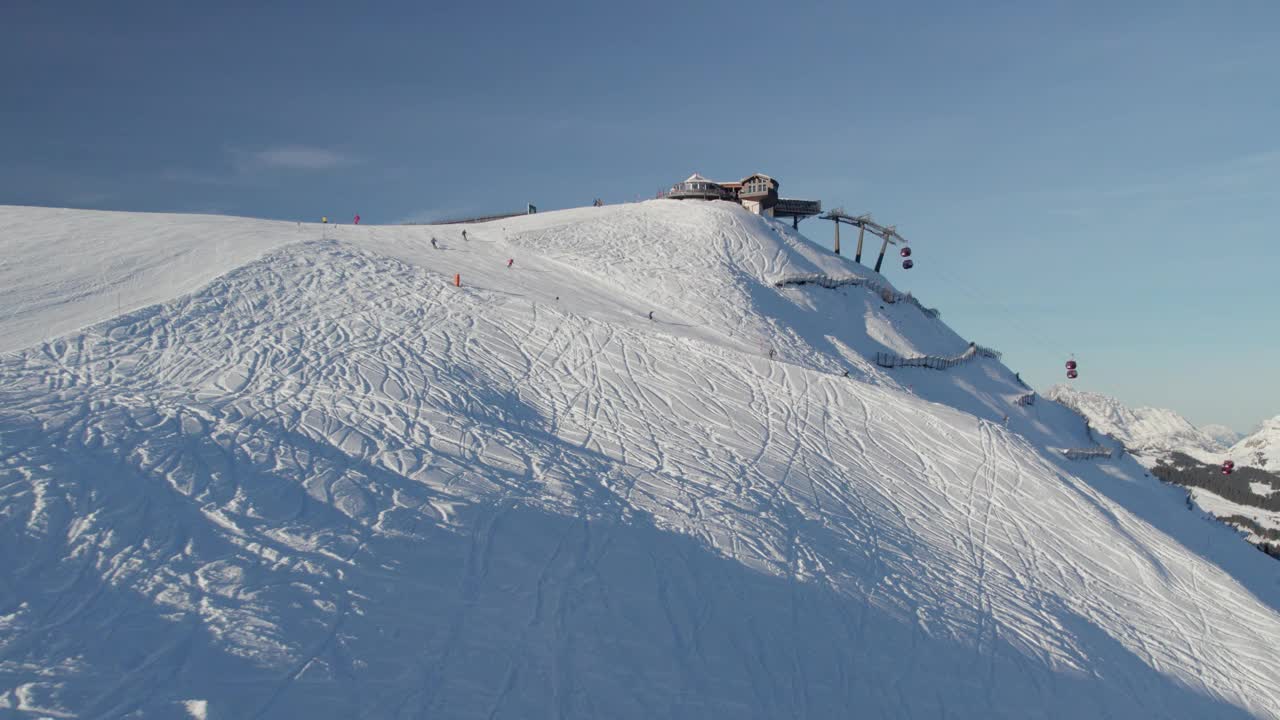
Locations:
(256, 469)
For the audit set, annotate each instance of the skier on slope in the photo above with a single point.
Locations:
(650, 314)
(356, 220)
(433, 244)
(510, 262)
(464, 234)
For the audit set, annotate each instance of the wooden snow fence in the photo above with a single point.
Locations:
(1087, 453)
(886, 293)
(935, 362)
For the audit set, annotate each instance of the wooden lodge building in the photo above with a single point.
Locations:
(757, 193)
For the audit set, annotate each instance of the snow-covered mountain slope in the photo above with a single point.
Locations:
(329, 483)
(1144, 431)
(1261, 520)
(1222, 435)
(1261, 448)
(61, 270)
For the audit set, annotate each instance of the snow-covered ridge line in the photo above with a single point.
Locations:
(1098, 449)
(1088, 424)
(1086, 453)
(830, 282)
(64, 269)
(1142, 430)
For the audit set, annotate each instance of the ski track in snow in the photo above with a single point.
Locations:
(330, 484)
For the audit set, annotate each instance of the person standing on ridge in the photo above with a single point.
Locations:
(356, 221)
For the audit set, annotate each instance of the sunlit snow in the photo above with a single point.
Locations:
(262, 469)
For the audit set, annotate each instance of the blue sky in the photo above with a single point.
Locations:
(1100, 179)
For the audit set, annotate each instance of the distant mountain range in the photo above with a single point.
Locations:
(1151, 433)
(1180, 453)
(1145, 431)
(1261, 449)
(1224, 435)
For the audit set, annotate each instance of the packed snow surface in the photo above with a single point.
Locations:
(64, 269)
(304, 475)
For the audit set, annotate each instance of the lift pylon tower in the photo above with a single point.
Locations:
(887, 233)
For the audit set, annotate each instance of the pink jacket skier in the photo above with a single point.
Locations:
(357, 219)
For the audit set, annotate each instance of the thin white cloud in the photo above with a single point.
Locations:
(298, 157)
(246, 167)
